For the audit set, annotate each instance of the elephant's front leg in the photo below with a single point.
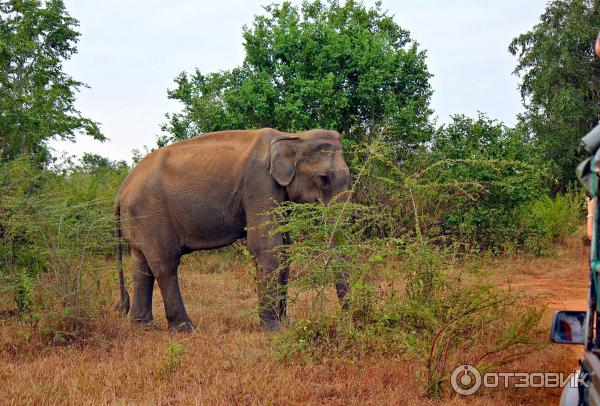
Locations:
(284, 274)
(270, 304)
(283, 293)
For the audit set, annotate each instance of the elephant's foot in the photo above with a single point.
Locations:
(181, 326)
(142, 318)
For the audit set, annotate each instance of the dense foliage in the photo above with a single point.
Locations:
(37, 98)
(560, 81)
(498, 170)
(342, 67)
(56, 239)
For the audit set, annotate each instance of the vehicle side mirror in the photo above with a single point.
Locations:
(568, 327)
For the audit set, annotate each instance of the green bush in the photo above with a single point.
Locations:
(411, 307)
(547, 221)
(405, 299)
(496, 170)
(469, 196)
(56, 231)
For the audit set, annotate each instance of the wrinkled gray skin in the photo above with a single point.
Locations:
(204, 193)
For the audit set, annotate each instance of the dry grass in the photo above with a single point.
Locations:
(229, 361)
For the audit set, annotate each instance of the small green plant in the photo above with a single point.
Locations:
(172, 358)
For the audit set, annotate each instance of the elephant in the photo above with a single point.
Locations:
(208, 192)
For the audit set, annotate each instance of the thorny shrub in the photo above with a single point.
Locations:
(407, 298)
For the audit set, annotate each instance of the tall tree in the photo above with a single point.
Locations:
(37, 99)
(343, 67)
(560, 80)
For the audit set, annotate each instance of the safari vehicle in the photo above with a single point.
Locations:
(583, 327)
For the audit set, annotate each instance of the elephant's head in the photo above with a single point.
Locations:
(310, 166)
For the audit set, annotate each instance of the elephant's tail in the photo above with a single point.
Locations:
(123, 306)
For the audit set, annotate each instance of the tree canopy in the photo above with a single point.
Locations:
(37, 99)
(560, 81)
(342, 67)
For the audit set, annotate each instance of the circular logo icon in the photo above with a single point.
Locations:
(465, 380)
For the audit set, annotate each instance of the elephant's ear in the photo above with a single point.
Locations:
(283, 158)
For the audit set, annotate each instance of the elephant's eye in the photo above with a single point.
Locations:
(324, 180)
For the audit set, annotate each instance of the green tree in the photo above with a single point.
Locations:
(560, 80)
(342, 67)
(489, 170)
(94, 164)
(36, 97)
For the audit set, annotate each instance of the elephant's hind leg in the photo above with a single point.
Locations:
(168, 282)
(143, 285)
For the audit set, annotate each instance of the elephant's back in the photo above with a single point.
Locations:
(211, 157)
(199, 178)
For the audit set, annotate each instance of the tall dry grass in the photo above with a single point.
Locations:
(228, 360)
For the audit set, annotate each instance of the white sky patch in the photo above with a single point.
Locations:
(130, 51)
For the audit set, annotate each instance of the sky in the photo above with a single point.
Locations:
(130, 51)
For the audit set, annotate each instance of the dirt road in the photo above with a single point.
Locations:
(559, 281)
